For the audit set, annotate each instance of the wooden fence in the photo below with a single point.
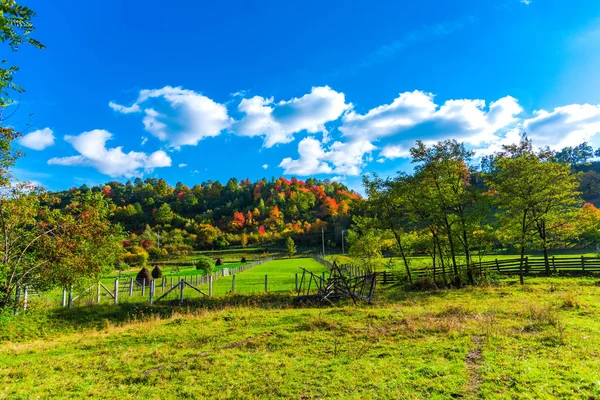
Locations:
(130, 287)
(512, 266)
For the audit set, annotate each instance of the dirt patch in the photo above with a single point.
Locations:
(473, 363)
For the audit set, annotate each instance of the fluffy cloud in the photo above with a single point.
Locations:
(392, 152)
(38, 140)
(277, 122)
(92, 150)
(265, 166)
(564, 126)
(341, 158)
(178, 116)
(414, 115)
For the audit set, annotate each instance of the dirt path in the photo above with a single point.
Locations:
(473, 363)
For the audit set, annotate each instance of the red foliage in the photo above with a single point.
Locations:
(261, 230)
(107, 191)
(146, 243)
(238, 219)
(180, 195)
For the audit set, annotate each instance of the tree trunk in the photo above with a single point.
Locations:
(523, 232)
(542, 231)
(437, 241)
(402, 254)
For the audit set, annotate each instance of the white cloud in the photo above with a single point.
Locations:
(38, 140)
(564, 126)
(392, 152)
(123, 109)
(182, 165)
(144, 140)
(113, 162)
(278, 122)
(179, 116)
(265, 166)
(414, 115)
(526, 2)
(341, 158)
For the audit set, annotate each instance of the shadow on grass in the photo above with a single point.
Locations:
(50, 322)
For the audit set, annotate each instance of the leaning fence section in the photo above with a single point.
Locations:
(123, 288)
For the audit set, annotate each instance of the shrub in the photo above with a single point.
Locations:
(137, 257)
(204, 264)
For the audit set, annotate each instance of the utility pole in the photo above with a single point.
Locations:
(342, 242)
(323, 240)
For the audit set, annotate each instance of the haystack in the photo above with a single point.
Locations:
(219, 262)
(156, 272)
(244, 260)
(144, 274)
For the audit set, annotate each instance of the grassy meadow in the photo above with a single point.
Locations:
(540, 340)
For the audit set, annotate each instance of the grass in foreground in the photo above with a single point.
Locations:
(541, 340)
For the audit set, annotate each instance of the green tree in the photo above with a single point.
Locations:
(290, 246)
(15, 29)
(204, 264)
(533, 193)
(163, 215)
(48, 248)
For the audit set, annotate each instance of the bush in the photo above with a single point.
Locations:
(155, 253)
(219, 262)
(137, 257)
(204, 264)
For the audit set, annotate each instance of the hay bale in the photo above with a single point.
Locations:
(144, 274)
(156, 272)
(244, 260)
(219, 262)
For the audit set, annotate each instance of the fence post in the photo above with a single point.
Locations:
(210, 285)
(25, 292)
(233, 284)
(497, 266)
(70, 301)
(553, 264)
(116, 291)
(130, 287)
(171, 282)
(152, 286)
(98, 293)
(527, 264)
(582, 263)
(384, 277)
(296, 281)
(64, 297)
(163, 284)
(181, 288)
(266, 283)
(143, 286)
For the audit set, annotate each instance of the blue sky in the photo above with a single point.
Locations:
(213, 90)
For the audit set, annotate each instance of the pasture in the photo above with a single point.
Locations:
(540, 340)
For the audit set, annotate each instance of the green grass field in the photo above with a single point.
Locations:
(541, 340)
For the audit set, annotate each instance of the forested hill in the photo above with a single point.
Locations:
(213, 215)
(590, 182)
